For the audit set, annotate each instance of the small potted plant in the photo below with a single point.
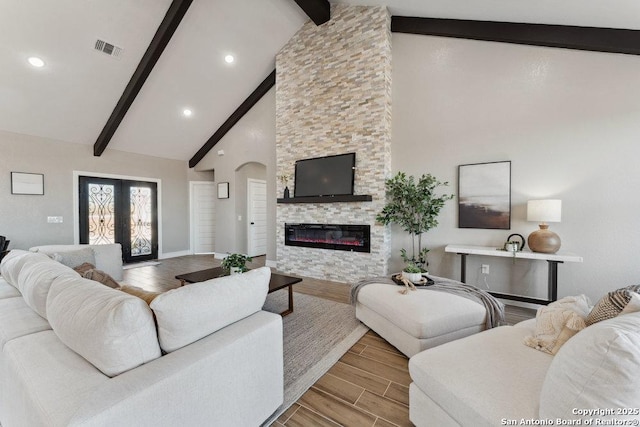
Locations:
(236, 263)
(412, 273)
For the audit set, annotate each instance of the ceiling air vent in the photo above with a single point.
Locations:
(108, 48)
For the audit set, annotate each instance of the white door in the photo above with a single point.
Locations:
(203, 217)
(256, 217)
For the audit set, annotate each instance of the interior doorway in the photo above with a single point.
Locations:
(249, 196)
(203, 216)
(256, 217)
(121, 211)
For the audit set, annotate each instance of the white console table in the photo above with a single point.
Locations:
(552, 259)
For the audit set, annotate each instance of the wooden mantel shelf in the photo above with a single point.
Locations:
(328, 199)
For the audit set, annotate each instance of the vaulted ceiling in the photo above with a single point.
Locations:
(73, 95)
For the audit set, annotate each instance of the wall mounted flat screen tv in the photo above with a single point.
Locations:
(325, 176)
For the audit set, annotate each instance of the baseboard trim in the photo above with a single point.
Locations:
(520, 304)
(271, 264)
(174, 254)
(138, 265)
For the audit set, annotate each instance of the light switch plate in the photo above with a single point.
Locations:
(54, 219)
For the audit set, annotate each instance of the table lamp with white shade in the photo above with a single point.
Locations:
(544, 211)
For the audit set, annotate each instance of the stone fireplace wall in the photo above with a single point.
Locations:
(333, 96)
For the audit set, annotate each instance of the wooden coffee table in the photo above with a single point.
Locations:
(276, 282)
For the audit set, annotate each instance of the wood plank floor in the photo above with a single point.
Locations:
(368, 386)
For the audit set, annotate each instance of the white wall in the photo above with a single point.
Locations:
(569, 122)
(252, 139)
(23, 219)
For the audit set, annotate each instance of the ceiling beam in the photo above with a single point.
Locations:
(165, 31)
(570, 37)
(235, 117)
(318, 10)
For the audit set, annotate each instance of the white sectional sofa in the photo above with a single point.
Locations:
(493, 378)
(74, 352)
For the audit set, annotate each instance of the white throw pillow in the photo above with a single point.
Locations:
(35, 279)
(109, 259)
(191, 312)
(597, 368)
(113, 330)
(73, 259)
(11, 266)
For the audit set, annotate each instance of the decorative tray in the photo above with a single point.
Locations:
(425, 281)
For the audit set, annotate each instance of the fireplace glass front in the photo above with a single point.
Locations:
(340, 237)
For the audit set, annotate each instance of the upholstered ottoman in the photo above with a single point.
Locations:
(420, 319)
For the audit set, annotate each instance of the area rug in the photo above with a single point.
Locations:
(316, 335)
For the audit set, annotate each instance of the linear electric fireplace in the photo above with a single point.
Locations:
(338, 237)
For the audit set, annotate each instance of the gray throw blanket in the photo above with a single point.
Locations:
(495, 309)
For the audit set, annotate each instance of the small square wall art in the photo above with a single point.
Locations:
(223, 190)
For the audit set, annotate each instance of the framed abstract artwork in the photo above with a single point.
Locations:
(484, 195)
(27, 183)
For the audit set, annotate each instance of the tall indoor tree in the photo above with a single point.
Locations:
(415, 207)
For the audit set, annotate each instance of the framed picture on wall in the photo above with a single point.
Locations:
(27, 183)
(223, 190)
(484, 195)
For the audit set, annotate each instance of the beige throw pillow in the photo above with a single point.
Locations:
(147, 296)
(558, 322)
(88, 271)
(633, 305)
(612, 304)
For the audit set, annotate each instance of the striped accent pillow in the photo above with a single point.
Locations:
(611, 304)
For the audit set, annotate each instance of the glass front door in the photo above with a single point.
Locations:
(120, 211)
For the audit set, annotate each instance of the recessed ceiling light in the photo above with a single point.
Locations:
(229, 59)
(187, 112)
(36, 62)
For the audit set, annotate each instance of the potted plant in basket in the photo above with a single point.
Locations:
(415, 207)
(236, 263)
